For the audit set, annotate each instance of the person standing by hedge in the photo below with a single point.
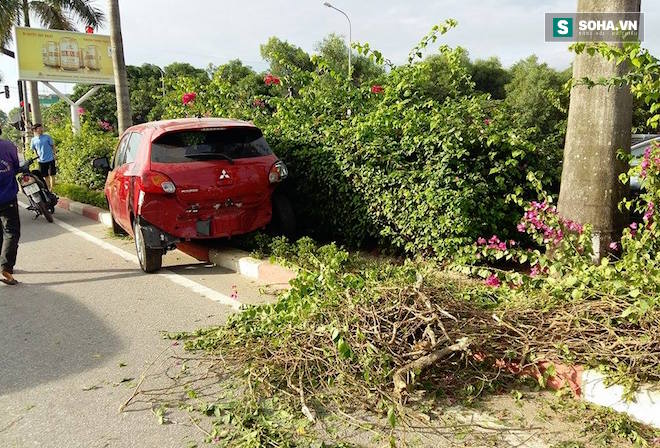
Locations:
(10, 224)
(43, 145)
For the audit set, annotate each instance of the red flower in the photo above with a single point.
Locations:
(89, 30)
(377, 89)
(487, 121)
(270, 79)
(188, 98)
(81, 110)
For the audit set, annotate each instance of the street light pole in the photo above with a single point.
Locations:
(350, 36)
(162, 78)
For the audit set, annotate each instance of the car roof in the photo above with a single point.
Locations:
(178, 124)
(641, 138)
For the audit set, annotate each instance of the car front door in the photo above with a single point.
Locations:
(126, 173)
(114, 179)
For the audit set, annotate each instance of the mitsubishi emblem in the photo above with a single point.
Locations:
(224, 175)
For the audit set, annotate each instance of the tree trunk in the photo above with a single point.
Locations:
(33, 85)
(599, 125)
(121, 80)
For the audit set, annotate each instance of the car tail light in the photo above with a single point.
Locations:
(278, 172)
(155, 182)
(26, 179)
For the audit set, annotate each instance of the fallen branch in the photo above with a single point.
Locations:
(400, 383)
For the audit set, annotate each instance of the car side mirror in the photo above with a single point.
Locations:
(101, 164)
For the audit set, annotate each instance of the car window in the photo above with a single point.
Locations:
(133, 146)
(209, 144)
(120, 156)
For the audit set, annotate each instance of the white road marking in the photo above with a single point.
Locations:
(166, 273)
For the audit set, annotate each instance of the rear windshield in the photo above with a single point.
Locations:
(209, 144)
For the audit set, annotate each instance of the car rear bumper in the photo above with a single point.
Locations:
(225, 222)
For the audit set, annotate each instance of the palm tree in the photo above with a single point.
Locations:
(599, 122)
(52, 14)
(121, 81)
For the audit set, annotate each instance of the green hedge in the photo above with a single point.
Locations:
(75, 153)
(410, 164)
(81, 194)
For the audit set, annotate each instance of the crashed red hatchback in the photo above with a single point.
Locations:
(186, 179)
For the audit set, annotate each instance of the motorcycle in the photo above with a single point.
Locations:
(33, 185)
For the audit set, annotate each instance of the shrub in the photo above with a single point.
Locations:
(82, 194)
(75, 153)
(416, 168)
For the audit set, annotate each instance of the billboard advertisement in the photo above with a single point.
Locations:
(63, 56)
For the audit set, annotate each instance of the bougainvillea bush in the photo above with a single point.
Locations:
(393, 160)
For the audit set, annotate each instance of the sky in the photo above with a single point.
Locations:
(215, 31)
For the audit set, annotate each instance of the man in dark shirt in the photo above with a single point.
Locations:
(10, 225)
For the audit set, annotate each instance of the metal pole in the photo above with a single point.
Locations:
(74, 105)
(162, 78)
(350, 37)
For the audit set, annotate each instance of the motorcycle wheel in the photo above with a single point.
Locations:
(43, 209)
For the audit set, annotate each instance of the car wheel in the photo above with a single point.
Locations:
(150, 260)
(284, 220)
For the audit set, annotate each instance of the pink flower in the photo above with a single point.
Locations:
(377, 89)
(258, 103)
(648, 216)
(487, 121)
(493, 281)
(614, 245)
(481, 241)
(633, 229)
(521, 228)
(537, 270)
(188, 98)
(81, 110)
(501, 246)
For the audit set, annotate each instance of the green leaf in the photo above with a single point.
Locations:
(391, 417)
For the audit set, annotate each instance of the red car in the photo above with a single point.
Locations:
(188, 179)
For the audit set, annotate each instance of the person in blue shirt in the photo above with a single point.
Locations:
(10, 224)
(43, 145)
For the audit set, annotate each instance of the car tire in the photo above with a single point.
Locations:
(150, 260)
(284, 220)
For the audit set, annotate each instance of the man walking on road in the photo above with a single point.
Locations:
(43, 145)
(10, 225)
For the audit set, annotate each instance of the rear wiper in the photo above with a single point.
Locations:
(209, 155)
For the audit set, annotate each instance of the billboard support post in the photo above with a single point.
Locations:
(74, 105)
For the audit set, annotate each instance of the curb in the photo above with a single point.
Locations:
(233, 259)
(592, 386)
(88, 211)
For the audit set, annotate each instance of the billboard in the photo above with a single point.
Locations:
(63, 56)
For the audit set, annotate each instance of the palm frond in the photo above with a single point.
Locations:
(82, 10)
(9, 16)
(51, 15)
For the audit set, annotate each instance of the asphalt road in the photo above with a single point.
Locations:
(83, 325)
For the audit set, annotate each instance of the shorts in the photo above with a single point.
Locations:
(47, 168)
